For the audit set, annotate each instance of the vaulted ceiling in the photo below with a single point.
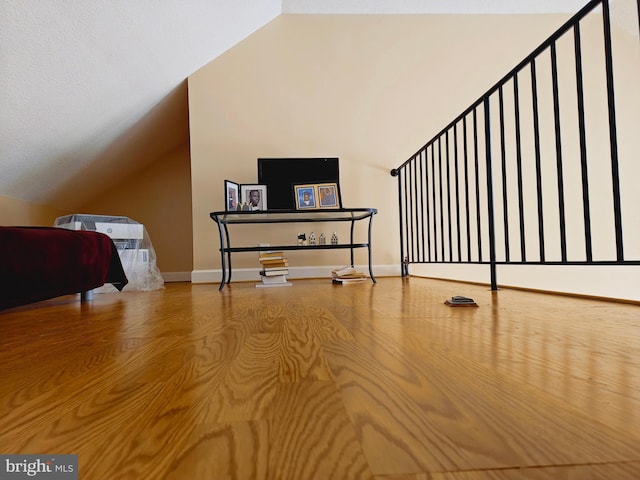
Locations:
(91, 91)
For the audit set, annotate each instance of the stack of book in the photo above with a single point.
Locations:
(275, 268)
(347, 275)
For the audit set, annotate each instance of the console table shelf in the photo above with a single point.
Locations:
(297, 247)
(223, 219)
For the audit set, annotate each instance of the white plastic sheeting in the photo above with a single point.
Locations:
(133, 243)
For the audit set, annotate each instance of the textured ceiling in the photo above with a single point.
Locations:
(431, 6)
(93, 90)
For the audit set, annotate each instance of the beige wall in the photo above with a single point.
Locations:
(369, 89)
(20, 213)
(158, 196)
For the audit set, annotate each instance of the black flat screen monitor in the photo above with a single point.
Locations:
(280, 174)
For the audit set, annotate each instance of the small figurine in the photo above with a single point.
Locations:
(302, 239)
(334, 238)
(312, 238)
(322, 239)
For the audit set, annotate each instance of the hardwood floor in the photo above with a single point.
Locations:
(318, 381)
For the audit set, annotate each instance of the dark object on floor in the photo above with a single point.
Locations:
(39, 263)
(460, 301)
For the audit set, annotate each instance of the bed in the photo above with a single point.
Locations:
(39, 263)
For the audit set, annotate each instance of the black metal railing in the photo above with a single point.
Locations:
(511, 179)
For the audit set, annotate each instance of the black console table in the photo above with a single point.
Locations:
(224, 219)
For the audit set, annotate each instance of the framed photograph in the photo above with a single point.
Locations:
(255, 196)
(305, 196)
(231, 195)
(328, 195)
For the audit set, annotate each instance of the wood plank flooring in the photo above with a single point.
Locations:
(318, 381)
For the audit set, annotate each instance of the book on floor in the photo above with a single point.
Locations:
(351, 275)
(270, 272)
(274, 279)
(263, 285)
(460, 301)
(349, 269)
(348, 281)
(271, 255)
(349, 278)
(347, 275)
(274, 262)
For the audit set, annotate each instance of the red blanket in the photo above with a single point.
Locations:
(38, 263)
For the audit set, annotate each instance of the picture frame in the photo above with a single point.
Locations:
(317, 196)
(232, 196)
(255, 195)
(328, 195)
(305, 196)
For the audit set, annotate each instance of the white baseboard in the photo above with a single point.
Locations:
(251, 274)
(170, 277)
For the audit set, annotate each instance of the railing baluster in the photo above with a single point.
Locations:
(503, 160)
(516, 108)
(536, 137)
(448, 161)
(414, 210)
(410, 218)
(560, 176)
(441, 197)
(613, 140)
(586, 209)
(399, 172)
(477, 168)
(433, 195)
(457, 182)
(421, 197)
(492, 236)
(466, 187)
(407, 218)
(426, 168)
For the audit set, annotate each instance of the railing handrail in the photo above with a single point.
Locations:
(593, 4)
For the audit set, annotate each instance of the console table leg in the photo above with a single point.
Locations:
(223, 276)
(353, 223)
(223, 265)
(226, 233)
(373, 279)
